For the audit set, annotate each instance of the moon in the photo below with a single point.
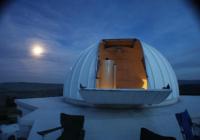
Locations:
(37, 50)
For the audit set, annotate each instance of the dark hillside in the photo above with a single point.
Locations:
(189, 87)
(30, 90)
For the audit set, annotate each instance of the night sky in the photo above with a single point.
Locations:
(66, 27)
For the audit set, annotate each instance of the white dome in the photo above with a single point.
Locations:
(159, 73)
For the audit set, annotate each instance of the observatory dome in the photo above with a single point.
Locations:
(125, 64)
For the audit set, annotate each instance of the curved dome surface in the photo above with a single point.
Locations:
(159, 72)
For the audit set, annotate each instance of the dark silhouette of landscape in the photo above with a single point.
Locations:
(30, 90)
(189, 87)
(35, 90)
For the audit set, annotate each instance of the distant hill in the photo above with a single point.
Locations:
(189, 87)
(189, 82)
(30, 90)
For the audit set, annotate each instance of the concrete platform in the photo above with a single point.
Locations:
(105, 124)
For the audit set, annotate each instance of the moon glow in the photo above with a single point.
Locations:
(37, 50)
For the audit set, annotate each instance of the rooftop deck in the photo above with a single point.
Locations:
(106, 124)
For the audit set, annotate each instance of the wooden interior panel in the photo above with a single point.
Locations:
(128, 56)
